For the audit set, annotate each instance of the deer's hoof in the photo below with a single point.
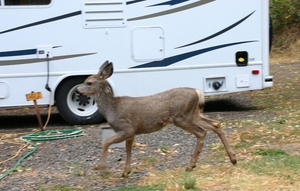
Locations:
(125, 174)
(99, 167)
(232, 158)
(189, 168)
(234, 161)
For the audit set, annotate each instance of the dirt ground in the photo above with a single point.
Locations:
(69, 162)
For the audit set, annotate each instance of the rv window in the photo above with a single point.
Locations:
(27, 2)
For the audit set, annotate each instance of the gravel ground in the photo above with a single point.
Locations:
(69, 162)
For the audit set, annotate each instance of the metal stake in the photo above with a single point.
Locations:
(38, 115)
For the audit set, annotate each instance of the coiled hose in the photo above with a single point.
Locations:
(47, 135)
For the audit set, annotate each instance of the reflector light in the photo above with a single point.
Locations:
(255, 71)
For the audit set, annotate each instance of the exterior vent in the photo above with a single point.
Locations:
(103, 13)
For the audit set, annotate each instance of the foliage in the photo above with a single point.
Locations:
(285, 13)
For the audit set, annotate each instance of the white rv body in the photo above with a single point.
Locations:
(217, 46)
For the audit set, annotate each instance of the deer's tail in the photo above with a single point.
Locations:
(201, 100)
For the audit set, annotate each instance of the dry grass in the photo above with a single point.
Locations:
(286, 46)
(221, 177)
(289, 55)
(253, 171)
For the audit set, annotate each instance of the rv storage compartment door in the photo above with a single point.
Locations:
(147, 43)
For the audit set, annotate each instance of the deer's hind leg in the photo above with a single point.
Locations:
(215, 126)
(200, 135)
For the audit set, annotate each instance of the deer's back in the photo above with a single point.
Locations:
(149, 113)
(166, 99)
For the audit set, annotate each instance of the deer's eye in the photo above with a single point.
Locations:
(89, 83)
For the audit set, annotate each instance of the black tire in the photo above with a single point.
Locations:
(73, 107)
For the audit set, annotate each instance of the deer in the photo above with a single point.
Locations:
(131, 116)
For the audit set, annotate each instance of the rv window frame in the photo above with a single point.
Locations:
(2, 4)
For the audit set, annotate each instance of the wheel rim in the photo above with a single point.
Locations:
(79, 104)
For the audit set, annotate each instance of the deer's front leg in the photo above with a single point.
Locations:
(116, 138)
(127, 170)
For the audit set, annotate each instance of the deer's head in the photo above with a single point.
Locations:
(94, 83)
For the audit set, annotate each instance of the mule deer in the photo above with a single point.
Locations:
(130, 116)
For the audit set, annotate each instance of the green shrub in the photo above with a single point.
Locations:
(284, 13)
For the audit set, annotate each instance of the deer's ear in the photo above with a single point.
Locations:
(106, 70)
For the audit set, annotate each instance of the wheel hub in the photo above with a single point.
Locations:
(82, 99)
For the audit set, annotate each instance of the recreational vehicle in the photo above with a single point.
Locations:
(49, 47)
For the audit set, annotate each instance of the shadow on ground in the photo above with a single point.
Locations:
(227, 104)
(29, 121)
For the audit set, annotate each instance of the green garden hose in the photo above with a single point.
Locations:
(48, 135)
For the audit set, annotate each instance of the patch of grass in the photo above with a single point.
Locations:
(105, 174)
(271, 152)
(76, 168)
(75, 165)
(172, 180)
(164, 148)
(81, 173)
(149, 160)
(62, 188)
(295, 132)
(242, 144)
(188, 182)
(282, 120)
(139, 188)
(274, 162)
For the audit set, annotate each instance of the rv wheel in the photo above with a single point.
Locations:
(74, 107)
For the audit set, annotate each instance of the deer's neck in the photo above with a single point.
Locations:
(105, 100)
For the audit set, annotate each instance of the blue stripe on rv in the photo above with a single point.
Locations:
(18, 53)
(43, 21)
(21, 52)
(219, 32)
(171, 2)
(173, 59)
